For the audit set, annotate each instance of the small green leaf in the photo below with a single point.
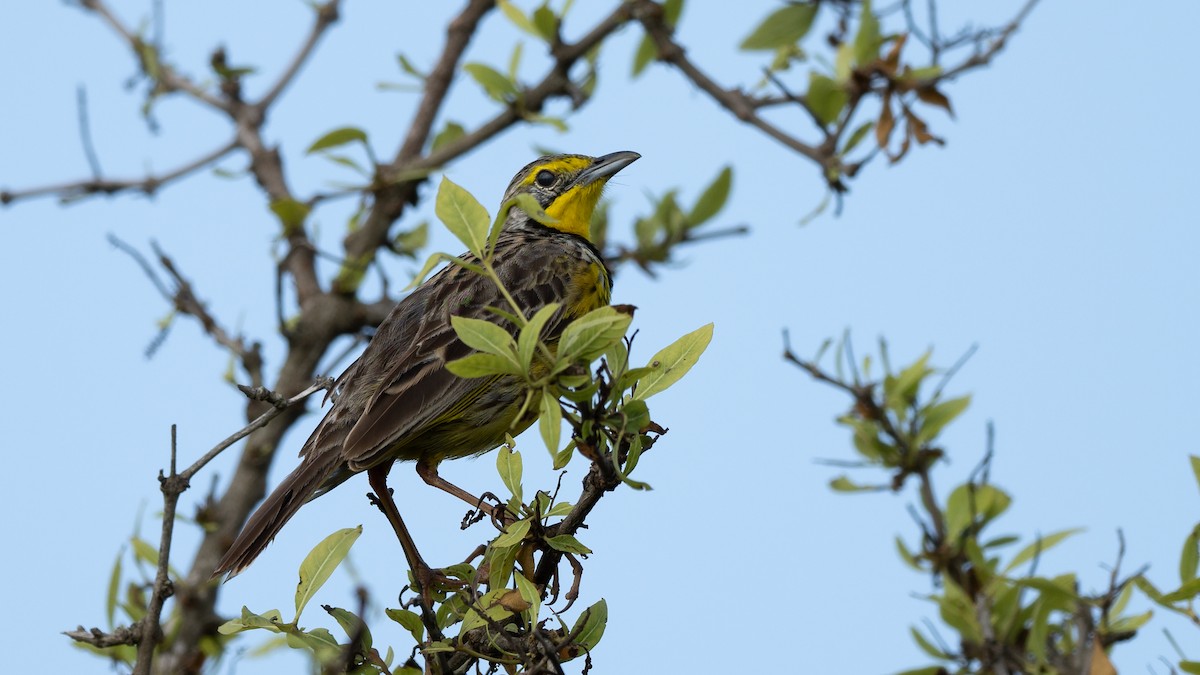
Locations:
(927, 646)
(338, 137)
(490, 606)
(550, 421)
(508, 465)
(546, 22)
(671, 11)
(142, 550)
(1039, 547)
(857, 135)
(590, 625)
(674, 361)
(712, 200)
(291, 214)
(530, 594)
(963, 507)
(483, 365)
(1195, 467)
(937, 416)
(1131, 623)
(529, 204)
(494, 83)
(568, 544)
(1190, 556)
(410, 620)
(114, 586)
(485, 336)
(825, 97)
(321, 562)
(518, 18)
(868, 39)
(844, 484)
(450, 133)
(1192, 667)
(646, 52)
(514, 535)
(350, 623)
(589, 336)
(781, 28)
(1188, 591)
(501, 562)
(463, 215)
(527, 341)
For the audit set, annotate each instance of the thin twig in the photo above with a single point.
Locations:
(327, 15)
(148, 185)
(85, 132)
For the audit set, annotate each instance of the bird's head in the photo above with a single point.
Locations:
(568, 188)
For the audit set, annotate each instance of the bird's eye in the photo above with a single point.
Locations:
(544, 179)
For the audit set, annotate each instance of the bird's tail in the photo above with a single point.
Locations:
(295, 491)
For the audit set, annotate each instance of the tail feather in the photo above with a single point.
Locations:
(295, 491)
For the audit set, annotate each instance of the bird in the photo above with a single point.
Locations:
(398, 401)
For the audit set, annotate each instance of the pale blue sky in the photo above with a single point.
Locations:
(1056, 229)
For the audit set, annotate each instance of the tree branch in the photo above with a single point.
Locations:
(96, 185)
(327, 15)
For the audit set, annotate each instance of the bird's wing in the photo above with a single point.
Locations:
(414, 344)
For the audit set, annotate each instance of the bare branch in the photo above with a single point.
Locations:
(437, 83)
(327, 15)
(75, 190)
(149, 57)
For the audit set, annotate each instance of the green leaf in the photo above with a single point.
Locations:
(500, 565)
(291, 214)
(114, 586)
(589, 336)
(450, 133)
(529, 204)
(567, 544)
(1190, 556)
(508, 465)
(674, 361)
(1187, 591)
(844, 484)
(1040, 546)
(337, 137)
(483, 365)
(518, 18)
(903, 387)
(590, 625)
(962, 508)
(408, 67)
(671, 11)
(527, 341)
(490, 606)
(494, 83)
(514, 535)
(350, 622)
(269, 620)
(1192, 667)
(937, 416)
(928, 670)
(550, 421)
(868, 39)
(712, 200)
(907, 556)
(410, 620)
(857, 135)
(142, 550)
(485, 336)
(781, 28)
(646, 52)
(546, 22)
(463, 215)
(925, 645)
(321, 562)
(431, 262)
(825, 97)
(1131, 623)
(530, 594)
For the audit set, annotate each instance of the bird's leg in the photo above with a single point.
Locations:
(422, 572)
(427, 470)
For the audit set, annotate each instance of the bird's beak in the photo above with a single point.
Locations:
(605, 167)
